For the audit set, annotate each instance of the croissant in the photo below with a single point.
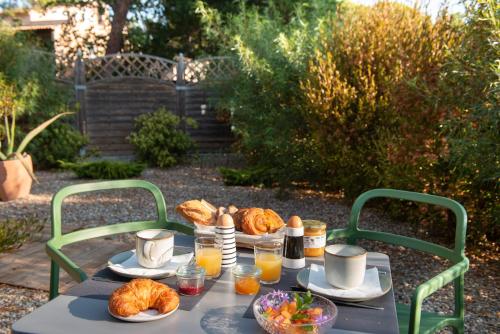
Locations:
(141, 294)
(257, 221)
(196, 211)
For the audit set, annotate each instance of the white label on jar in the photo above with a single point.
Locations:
(315, 241)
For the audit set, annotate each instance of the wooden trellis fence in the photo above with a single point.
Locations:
(113, 90)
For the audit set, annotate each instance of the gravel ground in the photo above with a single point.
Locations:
(188, 182)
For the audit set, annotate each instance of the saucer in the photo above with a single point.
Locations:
(345, 295)
(123, 264)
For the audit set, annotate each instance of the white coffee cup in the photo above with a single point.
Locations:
(154, 248)
(345, 265)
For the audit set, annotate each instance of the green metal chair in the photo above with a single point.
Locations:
(410, 317)
(58, 240)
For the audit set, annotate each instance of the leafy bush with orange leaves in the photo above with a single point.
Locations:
(364, 95)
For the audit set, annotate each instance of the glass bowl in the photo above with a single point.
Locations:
(276, 298)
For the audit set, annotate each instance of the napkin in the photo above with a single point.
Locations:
(318, 283)
(132, 267)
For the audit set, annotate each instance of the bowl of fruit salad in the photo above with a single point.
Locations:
(280, 312)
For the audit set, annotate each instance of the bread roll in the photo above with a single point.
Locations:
(200, 212)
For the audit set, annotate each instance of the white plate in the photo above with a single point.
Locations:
(148, 315)
(384, 278)
(153, 273)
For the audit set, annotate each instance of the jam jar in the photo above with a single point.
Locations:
(314, 238)
(246, 279)
(190, 280)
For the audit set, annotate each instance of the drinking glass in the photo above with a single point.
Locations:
(268, 257)
(208, 253)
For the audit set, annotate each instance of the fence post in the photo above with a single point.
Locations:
(180, 88)
(80, 92)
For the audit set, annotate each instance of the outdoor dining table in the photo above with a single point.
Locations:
(84, 308)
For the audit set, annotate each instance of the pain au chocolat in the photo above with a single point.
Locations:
(257, 221)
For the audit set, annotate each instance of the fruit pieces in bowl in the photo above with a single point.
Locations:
(292, 312)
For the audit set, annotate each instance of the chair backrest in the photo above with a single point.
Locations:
(455, 255)
(59, 239)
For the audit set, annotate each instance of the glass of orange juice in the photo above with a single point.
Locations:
(208, 253)
(268, 257)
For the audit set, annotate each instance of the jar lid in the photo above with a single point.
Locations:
(246, 270)
(314, 224)
(191, 271)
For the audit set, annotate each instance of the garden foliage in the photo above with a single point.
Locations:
(105, 170)
(159, 139)
(351, 97)
(14, 232)
(30, 73)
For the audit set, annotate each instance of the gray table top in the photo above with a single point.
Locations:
(83, 309)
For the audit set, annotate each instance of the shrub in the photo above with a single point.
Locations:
(57, 142)
(272, 47)
(158, 139)
(471, 90)
(13, 233)
(248, 176)
(362, 97)
(107, 170)
(365, 96)
(40, 98)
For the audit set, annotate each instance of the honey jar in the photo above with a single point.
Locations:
(314, 238)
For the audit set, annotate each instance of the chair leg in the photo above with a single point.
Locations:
(459, 304)
(54, 280)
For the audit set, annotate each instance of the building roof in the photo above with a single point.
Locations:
(40, 25)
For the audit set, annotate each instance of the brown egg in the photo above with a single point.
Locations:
(232, 209)
(220, 211)
(225, 220)
(294, 221)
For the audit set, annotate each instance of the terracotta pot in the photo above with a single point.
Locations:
(15, 181)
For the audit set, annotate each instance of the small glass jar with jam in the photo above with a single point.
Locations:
(314, 238)
(246, 279)
(190, 280)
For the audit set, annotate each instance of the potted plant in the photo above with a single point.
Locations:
(16, 167)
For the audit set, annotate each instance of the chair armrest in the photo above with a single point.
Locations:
(338, 233)
(65, 262)
(181, 227)
(437, 282)
(429, 287)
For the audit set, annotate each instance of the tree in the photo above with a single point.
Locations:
(169, 27)
(120, 9)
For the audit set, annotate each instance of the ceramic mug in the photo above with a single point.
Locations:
(154, 248)
(345, 265)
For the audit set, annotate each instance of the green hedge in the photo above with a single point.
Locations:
(107, 170)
